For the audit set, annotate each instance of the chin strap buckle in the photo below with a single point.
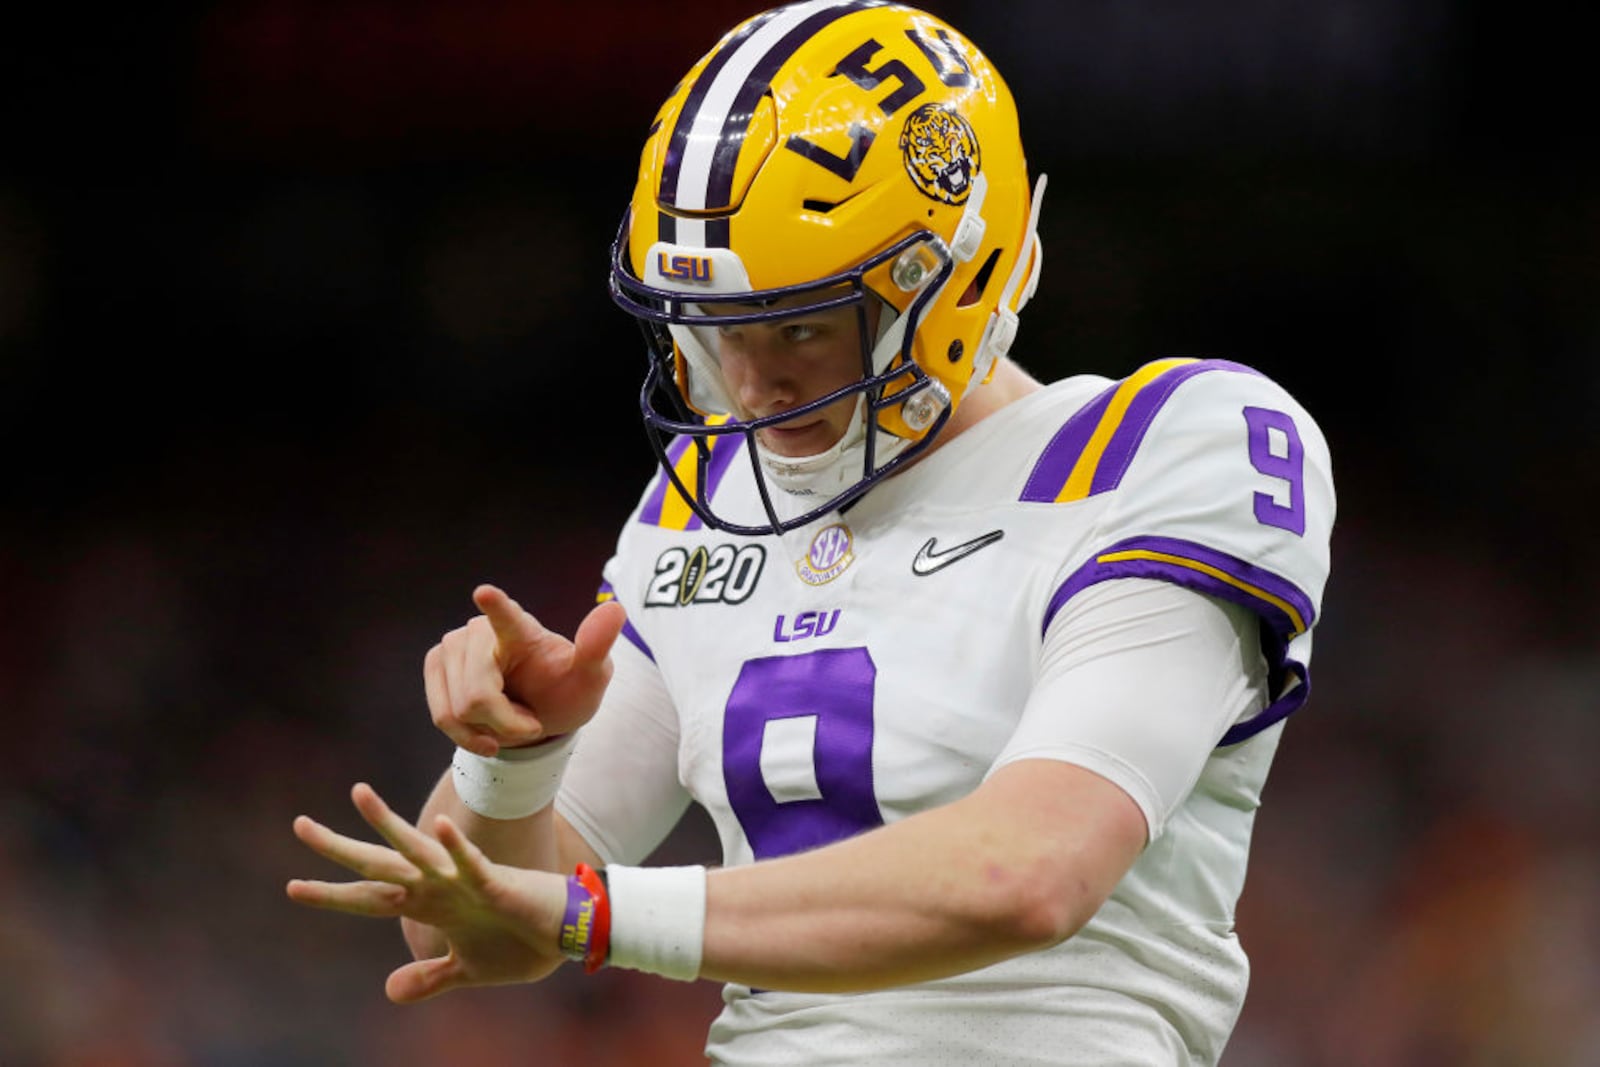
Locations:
(969, 236)
(995, 343)
(964, 243)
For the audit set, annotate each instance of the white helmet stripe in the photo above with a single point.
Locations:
(723, 109)
(690, 232)
(705, 135)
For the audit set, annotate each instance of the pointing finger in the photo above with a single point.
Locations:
(437, 668)
(513, 625)
(476, 685)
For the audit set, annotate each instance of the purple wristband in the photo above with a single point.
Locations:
(577, 925)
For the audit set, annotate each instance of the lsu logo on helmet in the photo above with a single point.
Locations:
(941, 153)
(684, 268)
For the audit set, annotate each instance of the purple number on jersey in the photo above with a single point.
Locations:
(1290, 467)
(833, 688)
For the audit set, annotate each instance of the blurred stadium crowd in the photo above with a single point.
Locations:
(303, 332)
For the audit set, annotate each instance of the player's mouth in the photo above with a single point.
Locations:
(801, 438)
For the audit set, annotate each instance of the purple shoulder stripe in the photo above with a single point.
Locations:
(1119, 451)
(723, 448)
(656, 511)
(1093, 449)
(650, 514)
(1062, 453)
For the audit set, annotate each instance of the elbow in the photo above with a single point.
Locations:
(1035, 909)
(1050, 920)
(1052, 843)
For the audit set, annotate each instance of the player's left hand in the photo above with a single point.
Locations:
(502, 923)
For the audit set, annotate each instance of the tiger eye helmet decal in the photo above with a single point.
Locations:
(829, 153)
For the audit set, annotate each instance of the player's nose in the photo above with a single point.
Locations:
(764, 378)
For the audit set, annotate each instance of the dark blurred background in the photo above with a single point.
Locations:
(304, 331)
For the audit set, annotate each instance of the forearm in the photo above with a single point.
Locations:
(941, 893)
(864, 914)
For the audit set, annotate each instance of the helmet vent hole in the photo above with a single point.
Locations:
(954, 353)
(974, 291)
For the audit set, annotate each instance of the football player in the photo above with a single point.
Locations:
(979, 678)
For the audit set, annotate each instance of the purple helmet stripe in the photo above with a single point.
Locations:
(1061, 454)
(1119, 451)
(719, 232)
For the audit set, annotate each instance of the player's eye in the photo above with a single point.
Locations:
(796, 332)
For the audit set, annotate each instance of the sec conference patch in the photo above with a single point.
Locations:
(829, 555)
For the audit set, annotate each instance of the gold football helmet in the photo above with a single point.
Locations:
(824, 154)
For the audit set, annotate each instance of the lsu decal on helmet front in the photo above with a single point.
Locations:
(827, 154)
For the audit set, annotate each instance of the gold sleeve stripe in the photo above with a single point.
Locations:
(1295, 618)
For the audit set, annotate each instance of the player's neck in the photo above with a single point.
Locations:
(1008, 384)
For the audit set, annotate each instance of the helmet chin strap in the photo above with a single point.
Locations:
(827, 473)
(1001, 330)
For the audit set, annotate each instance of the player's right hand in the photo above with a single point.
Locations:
(497, 923)
(504, 680)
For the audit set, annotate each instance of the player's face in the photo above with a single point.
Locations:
(771, 367)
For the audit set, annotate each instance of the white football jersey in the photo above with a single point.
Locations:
(879, 662)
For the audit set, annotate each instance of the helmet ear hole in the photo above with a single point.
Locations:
(980, 281)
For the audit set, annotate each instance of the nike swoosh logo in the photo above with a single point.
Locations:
(928, 560)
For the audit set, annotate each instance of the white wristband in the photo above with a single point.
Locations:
(514, 784)
(658, 919)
